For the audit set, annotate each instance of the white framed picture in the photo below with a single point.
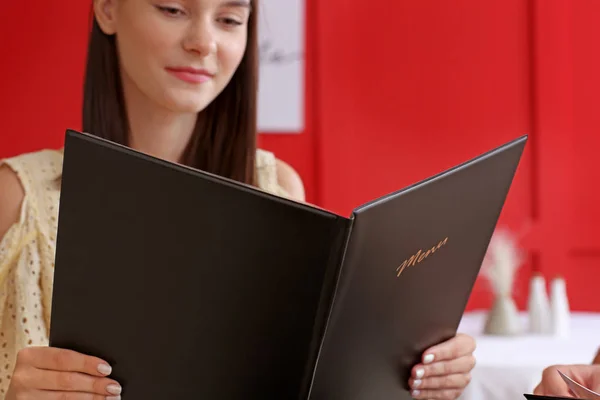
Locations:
(281, 27)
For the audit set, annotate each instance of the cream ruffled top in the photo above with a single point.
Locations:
(28, 248)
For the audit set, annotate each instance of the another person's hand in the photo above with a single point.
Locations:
(45, 373)
(552, 383)
(445, 369)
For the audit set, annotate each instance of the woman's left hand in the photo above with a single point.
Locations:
(445, 369)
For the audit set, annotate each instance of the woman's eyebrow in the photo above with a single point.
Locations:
(237, 3)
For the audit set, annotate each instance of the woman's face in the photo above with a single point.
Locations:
(179, 54)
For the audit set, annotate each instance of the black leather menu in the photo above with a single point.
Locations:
(196, 286)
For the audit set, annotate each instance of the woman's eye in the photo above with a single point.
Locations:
(170, 11)
(230, 21)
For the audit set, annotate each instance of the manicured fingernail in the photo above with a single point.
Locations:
(113, 389)
(415, 393)
(420, 373)
(417, 383)
(104, 369)
(428, 359)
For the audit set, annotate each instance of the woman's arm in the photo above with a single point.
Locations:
(44, 372)
(11, 197)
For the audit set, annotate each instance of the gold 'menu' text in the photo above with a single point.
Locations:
(420, 256)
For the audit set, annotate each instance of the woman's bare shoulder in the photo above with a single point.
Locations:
(11, 198)
(289, 179)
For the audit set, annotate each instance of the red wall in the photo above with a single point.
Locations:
(404, 89)
(396, 91)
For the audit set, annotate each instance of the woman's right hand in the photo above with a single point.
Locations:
(46, 373)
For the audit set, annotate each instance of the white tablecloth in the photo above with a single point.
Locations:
(507, 367)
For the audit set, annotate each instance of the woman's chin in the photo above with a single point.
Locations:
(186, 103)
(186, 108)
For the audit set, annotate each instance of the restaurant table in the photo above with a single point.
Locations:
(508, 367)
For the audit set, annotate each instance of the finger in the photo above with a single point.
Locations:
(458, 366)
(455, 381)
(49, 395)
(447, 394)
(552, 384)
(538, 390)
(50, 358)
(68, 382)
(458, 346)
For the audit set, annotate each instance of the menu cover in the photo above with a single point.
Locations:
(196, 286)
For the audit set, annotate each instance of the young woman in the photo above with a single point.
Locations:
(176, 79)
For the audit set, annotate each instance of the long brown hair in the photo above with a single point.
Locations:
(224, 139)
